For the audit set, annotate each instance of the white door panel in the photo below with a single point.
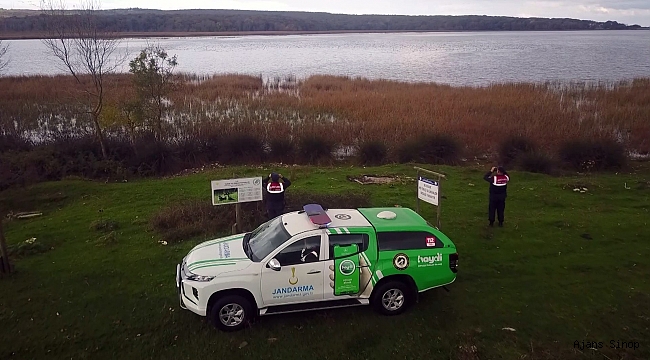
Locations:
(293, 284)
(300, 278)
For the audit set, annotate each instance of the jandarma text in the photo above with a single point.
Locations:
(612, 344)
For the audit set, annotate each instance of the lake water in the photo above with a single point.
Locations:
(468, 58)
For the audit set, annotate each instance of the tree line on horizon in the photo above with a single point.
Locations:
(141, 20)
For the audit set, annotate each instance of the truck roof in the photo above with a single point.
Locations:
(297, 221)
(400, 219)
(404, 218)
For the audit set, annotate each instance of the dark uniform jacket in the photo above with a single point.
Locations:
(498, 185)
(274, 189)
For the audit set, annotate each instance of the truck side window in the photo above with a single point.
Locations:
(302, 251)
(407, 240)
(347, 239)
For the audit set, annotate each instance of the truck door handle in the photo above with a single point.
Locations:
(313, 272)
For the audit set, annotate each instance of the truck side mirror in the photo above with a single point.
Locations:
(274, 265)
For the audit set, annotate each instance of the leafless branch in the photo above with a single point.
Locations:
(86, 51)
(3, 56)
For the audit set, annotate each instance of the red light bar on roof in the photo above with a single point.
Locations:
(317, 215)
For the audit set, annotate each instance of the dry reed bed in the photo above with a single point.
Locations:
(351, 110)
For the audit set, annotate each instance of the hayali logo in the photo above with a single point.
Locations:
(434, 260)
(343, 216)
(347, 267)
(401, 261)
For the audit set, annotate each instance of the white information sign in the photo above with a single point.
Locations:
(234, 191)
(428, 190)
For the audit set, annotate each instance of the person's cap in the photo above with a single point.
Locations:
(275, 176)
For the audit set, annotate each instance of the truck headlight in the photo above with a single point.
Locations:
(194, 277)
(200, 278)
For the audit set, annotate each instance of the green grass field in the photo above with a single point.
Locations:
(567, 267)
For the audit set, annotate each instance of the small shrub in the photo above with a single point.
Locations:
(104, 225)
(576, 154)
(440, 149)
(27, 247)
(9, 174)
(211, 144)
(609, 155)
(71, 146)
(511, 148)
(119, 148)
(372, 152)
(195, 218)
(108, 239)
(314, 149)
(409, 151)
(536, 162)
(178, 235)
(14, 143)
(282, 150)
(190, 153)
(242, 148)
(152, 157)
(586, 155)
(191, 219)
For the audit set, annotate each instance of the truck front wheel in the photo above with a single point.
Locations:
(391, 298)
(231, 313)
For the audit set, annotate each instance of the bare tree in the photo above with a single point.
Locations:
(5, 265)
(87, 52)
(3, 56)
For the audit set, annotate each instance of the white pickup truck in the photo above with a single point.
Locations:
(316, 259)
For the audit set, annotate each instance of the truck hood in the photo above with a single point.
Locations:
(217, 256)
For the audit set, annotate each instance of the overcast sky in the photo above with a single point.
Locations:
(625, 11)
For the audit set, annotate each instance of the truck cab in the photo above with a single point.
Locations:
(381, 257)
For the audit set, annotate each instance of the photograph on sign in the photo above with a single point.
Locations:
(233, 191)
(226, 196)
(428, 190)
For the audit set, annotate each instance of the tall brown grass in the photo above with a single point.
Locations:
(350, 111)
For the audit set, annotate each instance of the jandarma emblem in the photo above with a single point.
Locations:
(293, 280)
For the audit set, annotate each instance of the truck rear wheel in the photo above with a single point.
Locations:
(231, 313)
(391, 298)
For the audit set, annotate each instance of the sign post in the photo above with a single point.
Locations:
(236, 191)
(429, 191)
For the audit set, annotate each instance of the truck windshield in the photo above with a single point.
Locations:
(266, 238)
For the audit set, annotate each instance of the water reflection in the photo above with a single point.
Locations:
(452, 58)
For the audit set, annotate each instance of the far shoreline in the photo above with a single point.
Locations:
(172, 34)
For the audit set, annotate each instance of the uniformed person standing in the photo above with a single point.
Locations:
(275, 186)
(498, 179)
